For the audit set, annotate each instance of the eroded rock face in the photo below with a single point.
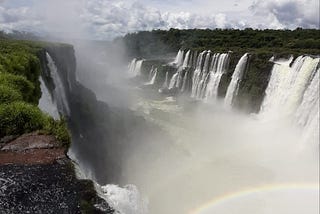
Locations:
(37, 177)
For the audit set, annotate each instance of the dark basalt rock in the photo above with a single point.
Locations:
(37, 177)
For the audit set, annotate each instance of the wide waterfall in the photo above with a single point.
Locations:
(59, 91)
(235, 81)
(287, 86)
(293, 93)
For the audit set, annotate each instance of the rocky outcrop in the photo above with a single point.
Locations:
(36, 176)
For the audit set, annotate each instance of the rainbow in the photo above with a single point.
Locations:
(249, 191)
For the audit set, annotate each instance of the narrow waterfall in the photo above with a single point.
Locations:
(179, 77)
(287, 85)
(46, 103)
(237, 75)
(154, 73)
(186, 59)
(173, 80)
(59, 91)
(132, 65)
(184, 85)
(179, 58)
(151, 72)
(165, 83)
(218, 67)
(197, 74)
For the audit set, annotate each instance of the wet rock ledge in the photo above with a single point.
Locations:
(36, 176)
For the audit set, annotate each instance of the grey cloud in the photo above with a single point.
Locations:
(289, 13)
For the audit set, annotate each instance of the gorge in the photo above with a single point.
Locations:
(194, 130)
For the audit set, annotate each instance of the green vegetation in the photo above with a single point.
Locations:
(159, 42)
(20, 92)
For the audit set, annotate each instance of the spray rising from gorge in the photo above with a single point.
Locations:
(218, 159)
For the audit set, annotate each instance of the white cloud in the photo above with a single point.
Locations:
(105, 19)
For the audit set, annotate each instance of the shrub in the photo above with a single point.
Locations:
(8, 95)
(19, 117)
(20, 84)
(58, 129)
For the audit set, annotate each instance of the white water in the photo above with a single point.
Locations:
(46, 104)
(237, 75)
(125, 200)
(165, 83)
(59, 91)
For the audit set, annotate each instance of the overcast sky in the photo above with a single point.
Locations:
(106, 19)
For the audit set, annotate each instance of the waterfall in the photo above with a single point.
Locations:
(197, 74)
(217, 69)
(165, 83)
(179, 58)
(287, 86)
(179, 77)
(46, 104)
(154, 73)
(132, 65)
(151, 72)
(135, 67)
(184, 82)
(186, 60)
(59, 91)
(309, 106)
(237, 75)
(173, 80)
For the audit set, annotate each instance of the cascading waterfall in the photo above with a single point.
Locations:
(217, 69)
(237, 75)
(59, 91)
(46, 104)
